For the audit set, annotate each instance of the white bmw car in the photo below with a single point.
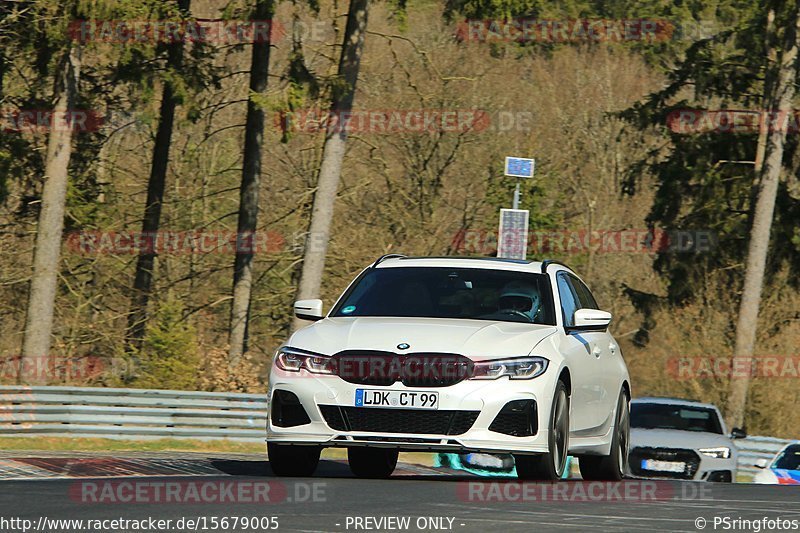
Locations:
(457, 355)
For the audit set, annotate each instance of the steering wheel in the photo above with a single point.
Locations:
(517, 313)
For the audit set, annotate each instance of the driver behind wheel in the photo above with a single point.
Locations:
(520, 299)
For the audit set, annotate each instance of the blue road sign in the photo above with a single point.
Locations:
(520, 167)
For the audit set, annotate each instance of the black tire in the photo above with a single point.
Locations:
(614, 466)
(550, 466)
(372, 463)
(288, 460)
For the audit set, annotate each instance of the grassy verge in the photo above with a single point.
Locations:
(114, 445)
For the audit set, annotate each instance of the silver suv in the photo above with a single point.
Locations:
(681, 439)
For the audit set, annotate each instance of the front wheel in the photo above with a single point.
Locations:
(613, 466)
(288, 460)
(372, 463)
(551, 465)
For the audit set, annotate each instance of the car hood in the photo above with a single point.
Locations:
(477, 339)
(777, 476)
(675, 438)
(787, 477)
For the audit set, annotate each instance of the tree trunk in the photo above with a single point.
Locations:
(248, 191)
(5, 8)
(142, 284)
(47, 253)
(779, 102)
(769, 86)
(2, 73)
(330, 170)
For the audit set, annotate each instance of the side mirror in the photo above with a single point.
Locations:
(590, 320)
(738, 433)
(761, 463)
(308, 309)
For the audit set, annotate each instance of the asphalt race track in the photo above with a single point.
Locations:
(416, 498)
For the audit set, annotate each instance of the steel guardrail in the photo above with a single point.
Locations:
(131, 413)
(754, 448)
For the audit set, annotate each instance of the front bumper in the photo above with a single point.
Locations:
(698, 467)
(462, 422)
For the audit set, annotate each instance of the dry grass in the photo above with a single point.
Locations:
(115, 445)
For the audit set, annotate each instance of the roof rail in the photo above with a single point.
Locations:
(383, 258)
(471, 258)
(547, 262)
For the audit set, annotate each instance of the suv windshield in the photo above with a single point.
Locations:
(666, 416)
(436, 292)
(789, 459)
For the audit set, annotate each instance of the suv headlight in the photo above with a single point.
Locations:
(722, 452)
(293, 360)
(517, 368)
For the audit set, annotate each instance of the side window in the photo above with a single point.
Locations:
(569, 302)
(585, 298)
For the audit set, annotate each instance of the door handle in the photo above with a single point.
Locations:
(612, 347)
(597, 351)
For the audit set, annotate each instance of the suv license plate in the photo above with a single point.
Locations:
(663, 466)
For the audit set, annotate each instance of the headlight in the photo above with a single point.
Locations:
(292, 360)
(518, 368)
(319, 364)
(722, 452)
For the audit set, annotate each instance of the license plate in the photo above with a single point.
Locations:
(397, 399)
(663, 466)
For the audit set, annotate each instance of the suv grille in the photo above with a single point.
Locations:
(379, 420)
(637, 455)
(413, 370)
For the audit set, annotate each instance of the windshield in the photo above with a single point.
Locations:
(666, 416)
(789, 459)
(436, 292)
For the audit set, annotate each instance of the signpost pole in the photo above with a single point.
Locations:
(516, 197)
(512, 236)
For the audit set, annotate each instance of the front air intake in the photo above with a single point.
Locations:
(287, 411)
(382, 420)
(517, 418)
